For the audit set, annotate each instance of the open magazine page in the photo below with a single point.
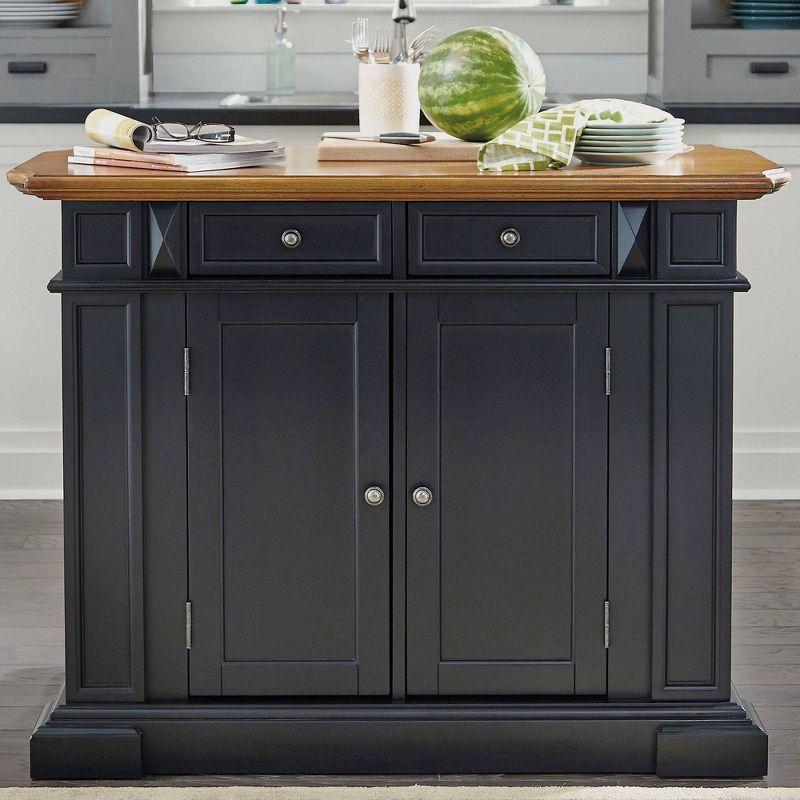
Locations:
(108, 127)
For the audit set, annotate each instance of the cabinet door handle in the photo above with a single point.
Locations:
(510, 237)
(769, 67)
(27, 67)
(374, 496)
(422, 496)
(291, 238)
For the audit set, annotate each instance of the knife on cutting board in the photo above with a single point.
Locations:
(400, 137)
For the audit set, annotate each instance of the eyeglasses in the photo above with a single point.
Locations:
(204, 132)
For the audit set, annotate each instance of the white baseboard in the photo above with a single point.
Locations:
(766, 465)
(30, 465)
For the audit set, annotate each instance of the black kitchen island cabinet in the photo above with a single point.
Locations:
(386, 468)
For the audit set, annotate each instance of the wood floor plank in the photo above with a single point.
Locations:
(26, 695)
(766, 674)
(32, 676)
(765, 694)
(31, 511)
(31, 655)
(32, 569)
(758, 601)
(37, 636)
(765, 654)
(778, 717)
(764, 583)
(784, 742)
(767, 635)
(770, 618)
(19, 718)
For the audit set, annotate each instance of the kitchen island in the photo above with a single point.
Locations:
(399, 468)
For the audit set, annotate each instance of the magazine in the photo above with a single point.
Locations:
(109, 128)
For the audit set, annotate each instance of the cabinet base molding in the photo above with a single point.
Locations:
(88, 741)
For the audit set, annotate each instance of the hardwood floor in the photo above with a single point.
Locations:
(766, 647)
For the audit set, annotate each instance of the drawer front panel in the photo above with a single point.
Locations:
(45, 70)
(696, 240)
(770, 78)
(290, 239)
(510, 239)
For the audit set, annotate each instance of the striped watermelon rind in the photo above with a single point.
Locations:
(477, 83)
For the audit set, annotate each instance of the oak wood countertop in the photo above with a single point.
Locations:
(707, 173)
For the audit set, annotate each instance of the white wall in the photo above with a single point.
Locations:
(584, 49)
(767, 327)
(767, 411)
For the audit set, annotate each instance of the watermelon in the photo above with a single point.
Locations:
(478, 82)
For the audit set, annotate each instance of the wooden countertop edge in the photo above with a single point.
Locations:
(542, 186)
(19, 177)
(433, 189)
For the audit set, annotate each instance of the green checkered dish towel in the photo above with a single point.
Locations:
(547, 140)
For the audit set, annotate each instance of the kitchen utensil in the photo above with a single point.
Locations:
(423, 43)
(360, 40)
(403, 12)
(401, 137)
(381, 51)
(443, 148)
(388, 98)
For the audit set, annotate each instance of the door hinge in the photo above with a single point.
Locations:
(186, 371)
(608, 371)
(606, 622)
(188, 626)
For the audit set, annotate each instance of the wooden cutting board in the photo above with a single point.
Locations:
(443, 148)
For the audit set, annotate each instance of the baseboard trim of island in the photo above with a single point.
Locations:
(86, 741)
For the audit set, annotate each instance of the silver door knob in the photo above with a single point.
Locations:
(422, 496)
(374, 496)
(291, 238)
(510, 237)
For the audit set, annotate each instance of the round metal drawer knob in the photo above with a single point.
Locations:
(422, 496)
(374, 496)
(291, 238)
(510, 237)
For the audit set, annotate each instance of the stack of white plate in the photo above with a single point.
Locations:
(38, 13)
(609, 143)
(766, 13)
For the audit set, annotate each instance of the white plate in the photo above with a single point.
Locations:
(16, 14)
(628, 147)
(624, 140)
(606, 127)
(630, 159)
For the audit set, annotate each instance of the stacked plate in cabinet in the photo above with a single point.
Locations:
(613, 143)
(766, 13)
(37, 13)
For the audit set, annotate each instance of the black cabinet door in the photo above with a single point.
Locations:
(288, 415)
(507, 428)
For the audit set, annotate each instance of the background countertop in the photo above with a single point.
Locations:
(341, 108)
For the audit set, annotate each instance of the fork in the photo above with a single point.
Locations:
(423, 43)
(381, 50)
(360, 40)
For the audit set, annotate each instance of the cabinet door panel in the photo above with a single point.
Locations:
(288, 413)
(507, 426)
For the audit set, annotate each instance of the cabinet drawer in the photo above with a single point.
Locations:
(45, 70)
(770, 78)
(510, 239)
(290, 239)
